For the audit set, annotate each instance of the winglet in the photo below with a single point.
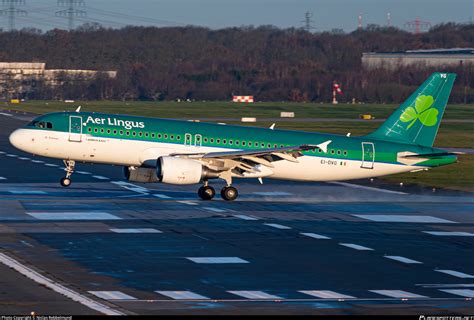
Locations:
(78, 109)
(324, 146)
(272, 126)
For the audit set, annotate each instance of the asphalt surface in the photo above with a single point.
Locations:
(281, 248)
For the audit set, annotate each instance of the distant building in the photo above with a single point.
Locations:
(429, 58)
(19, 78)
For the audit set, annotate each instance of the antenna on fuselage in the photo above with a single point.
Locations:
(272, 126)
(78, 109)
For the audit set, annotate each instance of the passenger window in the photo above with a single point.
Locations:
(230, 142)
(146, 134)
(89, 129)
(108, 131)
(115, 131)
(178, 137)
(166, 136)
(96, 130)
(101, 130)
(121, 132)
(339, 152)
(224, 141)
(171, 137)
(153, 135)
(243, 143)
(140, 134)
(134, 133)
(237, 143)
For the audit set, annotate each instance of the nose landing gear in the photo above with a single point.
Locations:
(66, 181)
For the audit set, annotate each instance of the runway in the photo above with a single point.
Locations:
(105, 245)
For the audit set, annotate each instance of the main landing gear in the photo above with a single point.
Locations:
(66, 181)
(228, 193)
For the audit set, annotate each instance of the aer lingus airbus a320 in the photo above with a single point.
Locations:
(183, 152)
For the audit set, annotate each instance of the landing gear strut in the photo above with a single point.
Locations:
(66, 181)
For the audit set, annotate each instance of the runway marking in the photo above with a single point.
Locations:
(112, 295)
(469, 293)
(138, 230)
(351, 185)
(277, 226)
(273, 193)
(161, 196)
(56, 287)
(456, 274)
(398, 294)
(6, 114)
(314, 235)
(326, 294)
(217, 260)
(2, 152)
(245, 217)
(402, 218)
(83, 172)
(51, 165)
(11, 155)
(131, 187)
(37, 161)
(26, 192)
(23, 158)
(214, 209)
(188, 202)
(255, 295)
(450, 233)
(447, 285)
(100, 177)
(3, 178)
(90, 215)
(403, 259)
(356, 246)
(182, 295)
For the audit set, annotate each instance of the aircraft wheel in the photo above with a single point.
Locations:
(229, 193)
(65, 182)
(206, 192)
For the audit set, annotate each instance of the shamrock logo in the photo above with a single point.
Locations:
(422, 111)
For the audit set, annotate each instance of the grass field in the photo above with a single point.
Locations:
(451, 134)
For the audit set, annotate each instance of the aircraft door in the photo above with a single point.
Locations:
(75, 128)
(368, 155)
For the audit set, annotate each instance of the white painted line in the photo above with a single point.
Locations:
(37, 161)
(469, 293)
(182, 295)
(138, 230)
(3, 178)
(314, 235)
(56, 287)
(447, 285)
(189, 203)
(457, 274)
(51, 165)
(326, 294)
(216, 260)
(398, 294)
(112, 295)
(273, 193)
(26, 192)
(402, 218)
(276, 225)
(214, 209)
(23, 158)
(403, 259)
(131, 187)
(255, 295)
(161, 196)
(245, 217)
(2, 152)
(351, 185)
(11, 155)
(83, 172)
(91, 215)
(6, 114)
(356, 246)
(450, 233)
(100, 177)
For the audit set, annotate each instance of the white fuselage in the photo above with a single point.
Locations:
(124, 152)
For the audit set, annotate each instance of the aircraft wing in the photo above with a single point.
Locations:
(242, 161)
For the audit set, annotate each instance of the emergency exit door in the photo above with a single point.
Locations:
(368, 155)
(75, 128)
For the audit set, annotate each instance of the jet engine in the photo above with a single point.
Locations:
(175, 170)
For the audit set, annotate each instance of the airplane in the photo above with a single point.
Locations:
(182, 152)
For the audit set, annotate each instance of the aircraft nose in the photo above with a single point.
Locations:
(17, 138)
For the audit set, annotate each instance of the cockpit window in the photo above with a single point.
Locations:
(40, 124)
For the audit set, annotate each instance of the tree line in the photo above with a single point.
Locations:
(198, 63)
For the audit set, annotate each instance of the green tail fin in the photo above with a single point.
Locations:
(417, 120)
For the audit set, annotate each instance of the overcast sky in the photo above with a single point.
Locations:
(327, 14)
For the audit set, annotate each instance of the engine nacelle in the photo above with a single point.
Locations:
(146, 175)
(175, 170)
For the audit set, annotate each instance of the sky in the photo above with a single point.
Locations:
(215, 14)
